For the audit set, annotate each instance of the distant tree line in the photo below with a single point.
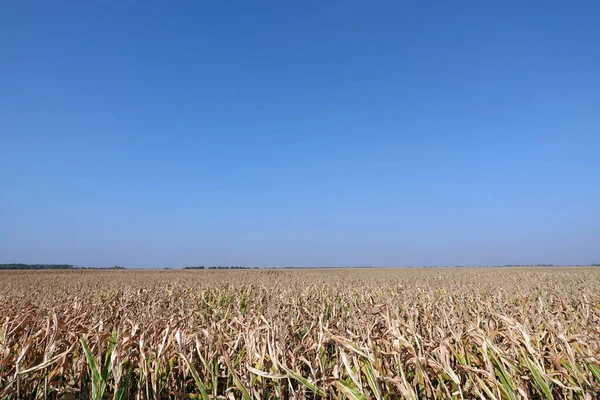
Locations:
(530, 265)
(218, 267)
(49, 266)
(36, 266)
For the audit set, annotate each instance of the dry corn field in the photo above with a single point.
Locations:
(301, 334)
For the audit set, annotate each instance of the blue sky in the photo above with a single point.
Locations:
(310, 133)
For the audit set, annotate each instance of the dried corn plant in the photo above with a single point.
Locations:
(301, 334)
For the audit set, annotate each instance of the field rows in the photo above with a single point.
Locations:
(301, 334)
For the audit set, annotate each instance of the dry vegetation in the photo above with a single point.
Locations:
(339, 334)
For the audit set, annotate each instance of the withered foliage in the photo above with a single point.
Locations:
(301, 334)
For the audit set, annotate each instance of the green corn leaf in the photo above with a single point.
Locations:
(122, 390)
(595, 371)
(96, 378)
(237, 382)
(349, 391)
(304, 381)
(539, 382)
(507, 383)
(107, 367)
(370, 374)
(196, 378)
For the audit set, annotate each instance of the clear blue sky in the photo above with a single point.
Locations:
(299, 133)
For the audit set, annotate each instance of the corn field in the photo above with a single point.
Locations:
(513, 333)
